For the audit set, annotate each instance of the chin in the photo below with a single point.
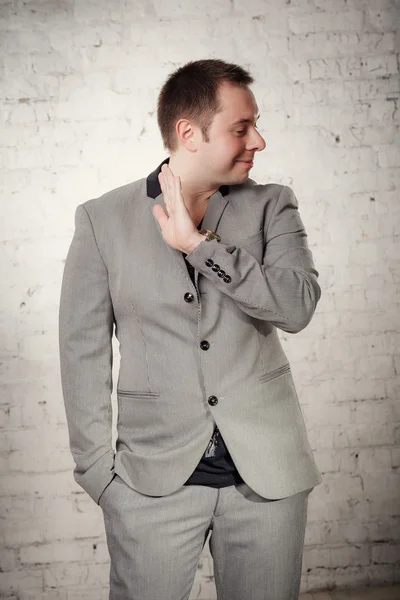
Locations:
(241, 179)
(233, 178)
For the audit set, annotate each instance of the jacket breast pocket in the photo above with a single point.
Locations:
(275, 373)
(137, 393)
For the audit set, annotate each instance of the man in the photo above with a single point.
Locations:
(195, 266)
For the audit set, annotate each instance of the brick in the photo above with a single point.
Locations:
(50, 595)
(336, 43)
(386, 553)
(83, 593)
(395, 455)
(327, 414)
(8, 560)
(389, 156)
(371, 411)
(343, 504)
(319, 579)
(208, 8)
(75, 574)
(376, 367)
(26, 462)
(372, 460)
(344, 460)
(65, 551)
(343, 556)
(312, 23)
(379, 502)
(12, 581)
(382, 18)
(353, 68)
(386, 528)
(17, 483)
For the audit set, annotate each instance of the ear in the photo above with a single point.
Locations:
(187, 135)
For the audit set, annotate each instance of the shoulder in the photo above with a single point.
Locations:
(267, 193)
(117, 200)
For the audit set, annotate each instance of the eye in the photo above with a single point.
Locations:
(241, 132)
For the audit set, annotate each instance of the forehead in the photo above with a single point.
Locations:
(237, 103)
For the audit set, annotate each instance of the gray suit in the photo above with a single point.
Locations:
(120, 272)
(191, 356)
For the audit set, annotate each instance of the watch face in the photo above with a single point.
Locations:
(214, 236)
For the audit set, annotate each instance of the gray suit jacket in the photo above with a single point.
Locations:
(171, 389)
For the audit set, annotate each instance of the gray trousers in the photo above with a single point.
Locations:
(155, 542)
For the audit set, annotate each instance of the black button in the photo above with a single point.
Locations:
(204, 345)
(227, 279)
(221, 273)
(188, 297)
(215, 267)
(209, 262)
(213, 400)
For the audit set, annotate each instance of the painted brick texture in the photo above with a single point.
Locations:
(78, 89)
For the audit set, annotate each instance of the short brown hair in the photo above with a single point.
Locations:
(191, 92)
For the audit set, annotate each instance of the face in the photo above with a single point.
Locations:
(233, 138)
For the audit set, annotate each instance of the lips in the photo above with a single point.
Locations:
(249, 161)
(246, 162)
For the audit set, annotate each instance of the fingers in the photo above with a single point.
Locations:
(169, 182)
(170, 187)
(164, 191)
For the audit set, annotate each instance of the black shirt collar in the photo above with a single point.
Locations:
(153, 185)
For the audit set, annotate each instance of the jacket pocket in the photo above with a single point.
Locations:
(276, 373)
(137, 393)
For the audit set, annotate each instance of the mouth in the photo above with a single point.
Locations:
(249, 163)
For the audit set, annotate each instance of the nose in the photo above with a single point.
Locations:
(256, 142)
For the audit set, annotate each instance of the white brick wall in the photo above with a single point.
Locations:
(78, 87)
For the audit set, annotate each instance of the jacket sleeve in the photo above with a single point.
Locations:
(283, 289)
(85, 338)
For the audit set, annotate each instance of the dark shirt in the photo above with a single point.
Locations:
(216, 467)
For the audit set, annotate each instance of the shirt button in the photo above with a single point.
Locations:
(188, 297)
(204, 345)
(227, 279)
(221, 273)
(213, 400)
(209, 262)
(215, 267)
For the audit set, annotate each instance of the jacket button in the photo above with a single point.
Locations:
(209, 262)
(227, 279)
(213, 400)
(204, 345)
(215, 267)
(188, 297)
(221, 273)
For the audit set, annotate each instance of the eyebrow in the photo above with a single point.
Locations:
(245, 120)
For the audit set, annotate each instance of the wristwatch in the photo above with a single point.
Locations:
(210, 235)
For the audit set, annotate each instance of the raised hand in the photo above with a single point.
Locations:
(178, 229)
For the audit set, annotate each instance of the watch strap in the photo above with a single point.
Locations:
(210, 235)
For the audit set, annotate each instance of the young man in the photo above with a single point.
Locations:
(196, 266)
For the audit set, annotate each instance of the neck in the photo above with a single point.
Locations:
(196, 192)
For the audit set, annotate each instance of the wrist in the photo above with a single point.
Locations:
(194, 242)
